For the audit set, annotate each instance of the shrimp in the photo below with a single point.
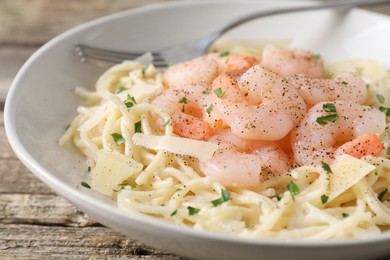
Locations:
(204, 69)
(187, 108)
(233, 64)
(242, 163)
(346, 86)
(270, 120)
(200, 71)
(290, 62)
(317, 138)
(367, 144)
(262, 86)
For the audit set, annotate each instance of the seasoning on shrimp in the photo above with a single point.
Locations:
(315, 142)
(280, 151)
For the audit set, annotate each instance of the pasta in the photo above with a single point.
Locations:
(136, 158)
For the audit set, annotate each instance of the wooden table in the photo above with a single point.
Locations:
(35, 223)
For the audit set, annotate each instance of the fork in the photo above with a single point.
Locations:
(185, 51)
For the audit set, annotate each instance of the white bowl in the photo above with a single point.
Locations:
(41, 103)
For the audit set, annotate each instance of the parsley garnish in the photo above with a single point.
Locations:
(293, 188)
(121, 89)
(89, 169)
(118, 138)
(344, 82)
(86, 185)
(138, 127)
(206, 92)
(385, 110)
(329, 107)
(326, 167)
(166, 123)
(130, 101)
(210, 108)
(225, 196)
(381, 99)
(224, 53)
(183, 100)
(219, 92)
(323, 120)
(324, 199)
(174, 212)
(382, 194)
(345, 215)
(316, 56)
(192, 211)
(124, 185)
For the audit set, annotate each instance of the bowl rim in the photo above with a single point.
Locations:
(70, 192)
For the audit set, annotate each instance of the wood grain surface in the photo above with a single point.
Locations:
(35, 223)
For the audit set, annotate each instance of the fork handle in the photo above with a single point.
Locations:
(264, 13)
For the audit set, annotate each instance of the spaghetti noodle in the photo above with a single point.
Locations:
(136, 158)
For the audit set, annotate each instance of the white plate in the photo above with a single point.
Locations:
(41, 103)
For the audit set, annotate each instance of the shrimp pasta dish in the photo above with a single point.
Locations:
(273, 144)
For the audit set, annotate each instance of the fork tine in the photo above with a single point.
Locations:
(92, 53)
(103, 52)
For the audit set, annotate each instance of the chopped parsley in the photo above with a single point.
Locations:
(329, 107)
(121, 89)
(345, 215)
(293, 188)
(118, 138)
(323, 120)
(326, 167)
(385, 110)
(89, 169)
(219, 92)
(224, 53)
(138, 127)
(381, 99)
(344, 82)
(206, 92)
(316, 56)
(225, 196)
(174, 212)
(324, 199)
(166, 123)
(183, 100)
(86, 185)
(124, 185)
(192, 211)
(382, 194)
(210, 109)
(130, 101)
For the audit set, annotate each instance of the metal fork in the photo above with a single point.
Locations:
(188, 50)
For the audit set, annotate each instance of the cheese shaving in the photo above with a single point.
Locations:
(177, 145)
(112, 168)
(347, 171)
